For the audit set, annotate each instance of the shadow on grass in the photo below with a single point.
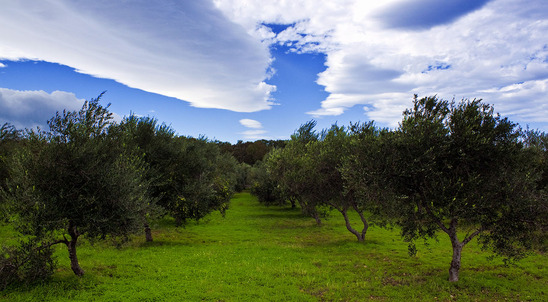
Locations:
(280, 213)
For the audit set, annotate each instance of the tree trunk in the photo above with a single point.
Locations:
(317, 217)
(71, 245)
(361, 237)
(364, 221)
(148, 233)
(178, 221)
(455, 262)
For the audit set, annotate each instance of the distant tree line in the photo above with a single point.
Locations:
(250, 152)
(88, 176)
(455, 168)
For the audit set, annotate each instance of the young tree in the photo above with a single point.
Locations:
(76, 180)
(462, 169)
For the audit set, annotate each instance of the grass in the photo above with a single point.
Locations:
(275, 254)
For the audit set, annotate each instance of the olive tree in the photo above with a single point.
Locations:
(461, 169)
(188, 178)
(325, 183)
(264, 186)
(156, 145)
(207, 180)
(290, 169)
(76, 180)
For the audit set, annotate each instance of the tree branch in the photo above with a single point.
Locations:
(436, 219)
(467, 239)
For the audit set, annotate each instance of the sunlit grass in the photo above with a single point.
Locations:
(275, 254)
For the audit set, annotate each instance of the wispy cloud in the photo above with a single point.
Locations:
(184, 49)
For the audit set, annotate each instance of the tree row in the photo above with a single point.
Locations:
(457, 169)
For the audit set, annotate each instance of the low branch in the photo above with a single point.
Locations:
(467, 239)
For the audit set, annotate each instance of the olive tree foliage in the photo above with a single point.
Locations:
(27, 262)
(323, 163)
(76, 180)
(461, 169)
(288, 168)
(188, 177)
(207, 180)
(243, 180)
(536, 144)
(265, 187)
(364, 170)
(156, 145)
(10, 139)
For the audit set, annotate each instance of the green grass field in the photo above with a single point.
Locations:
(257, 253)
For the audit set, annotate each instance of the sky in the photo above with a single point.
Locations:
(234, 70)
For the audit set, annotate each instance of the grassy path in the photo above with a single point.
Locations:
(273, 254)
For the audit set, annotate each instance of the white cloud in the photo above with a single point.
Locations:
(256, 130)
(251, 123)
(496, 50)
(28, 109)
(183, 49)
(214, 54)
(2, 65)
(254, 134)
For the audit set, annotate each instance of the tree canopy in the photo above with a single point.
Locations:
(461, 169)
(76, 180)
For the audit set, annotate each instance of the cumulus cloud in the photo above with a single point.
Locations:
(184, 49)
(380, 53)
(251, 123)
(29, 109)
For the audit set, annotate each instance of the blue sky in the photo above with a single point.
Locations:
(249, 69)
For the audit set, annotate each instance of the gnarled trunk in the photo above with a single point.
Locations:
(364, 221)
(360, 236)
(71, 245)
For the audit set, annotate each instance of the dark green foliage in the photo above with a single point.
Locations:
(265, 187)
(462, 169)
(188, 177)
(25, 263)
(250, 152)
(206, 180)
(288, 168)
(309, 170)
(10, 138)
(76, 180)
(242, 174)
